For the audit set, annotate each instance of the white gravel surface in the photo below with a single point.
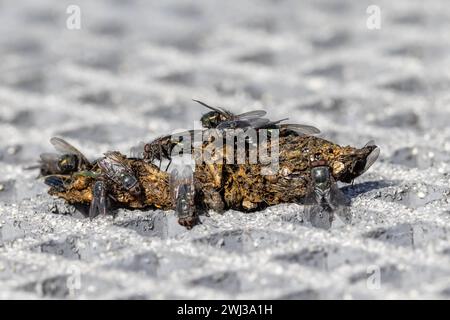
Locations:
(129, 75)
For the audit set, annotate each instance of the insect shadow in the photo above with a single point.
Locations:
(357, 189)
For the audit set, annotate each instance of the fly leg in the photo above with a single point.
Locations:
(99, 203)
(168, 156)
(160, 154)
(168, 165)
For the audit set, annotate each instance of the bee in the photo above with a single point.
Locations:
(68, 160)
(183, 196)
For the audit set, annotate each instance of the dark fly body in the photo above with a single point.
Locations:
(222, 119)
(183, 195)
(159, 149)
(68, 159)
(114, 167)
(325, 199)
(114, 173)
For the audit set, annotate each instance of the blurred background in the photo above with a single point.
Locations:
(128, 74)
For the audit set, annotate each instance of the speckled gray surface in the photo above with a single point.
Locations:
(129, 74)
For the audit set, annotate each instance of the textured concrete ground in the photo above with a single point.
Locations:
(129, 75)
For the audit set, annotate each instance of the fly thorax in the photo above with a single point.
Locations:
(322, 192)
(68, 163)
(128, 181)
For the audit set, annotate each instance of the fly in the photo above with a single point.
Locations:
(68, 159)
(325, 198)
(183, 196)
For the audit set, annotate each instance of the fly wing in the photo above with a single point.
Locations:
(48, 163)
(49, 157)
(264, 123)
(173, 184)
(372, 157)
(178, 136)
(370, 143)
(117, 158)
(64, 147)
(114, 163)
(310, 198)
(337, 197)
(137, 151)
(251, 114)
(340, 203)
(221, 111)
(318, 215)
(234, 124)
(187, 175)
(105, 165)
(301, 128)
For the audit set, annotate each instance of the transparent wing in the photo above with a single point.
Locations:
(310, 198)
(261, 123)
(251, 114)
(173, 184)
(370, 143)
(64, 147)
(49, 157)
(113, 164)
(371, 158)
(337, 197)
(319, 216)
(178, 136)
(301, 128)
(234, 124)
(256, 123)
(221, 111)
(48, 163)
(137, 151)
(340, 204)
(187, 175)
(116, 157)
(178, 178)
